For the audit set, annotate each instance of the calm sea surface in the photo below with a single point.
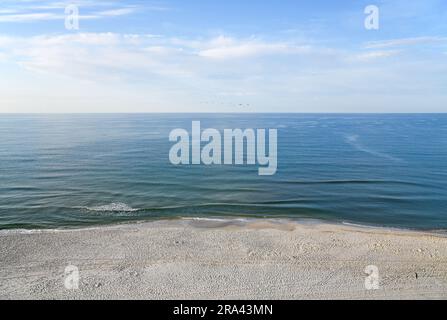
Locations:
(82, 170)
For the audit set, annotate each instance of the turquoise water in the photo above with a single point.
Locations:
(82, 170)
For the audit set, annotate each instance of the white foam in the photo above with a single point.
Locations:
(216, 219)
(112, 207)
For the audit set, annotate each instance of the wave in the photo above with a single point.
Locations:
(228, 219)
(353, 181)
(119, 208)
(307, 204)
(112, 207)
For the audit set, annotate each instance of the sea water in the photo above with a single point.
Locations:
(59, 171)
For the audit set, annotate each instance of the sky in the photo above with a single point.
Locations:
(223, 56)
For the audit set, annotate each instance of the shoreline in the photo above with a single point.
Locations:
(223, 259)
(216, 221)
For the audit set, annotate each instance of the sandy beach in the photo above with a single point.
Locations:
(193, 259)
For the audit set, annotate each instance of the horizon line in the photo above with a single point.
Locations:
(173, 113)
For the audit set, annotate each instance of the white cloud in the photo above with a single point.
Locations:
(96, 39)
(404, 42)
(32, 11)
(223, 48)
(7, 11)
(373, 55)
(26, 17)
(116, 12)
(6, 41)
(224, 71)
(33, 52)
(94, 56)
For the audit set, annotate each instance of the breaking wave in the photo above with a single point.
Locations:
(112, 207)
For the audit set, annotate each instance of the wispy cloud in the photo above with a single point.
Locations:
(87, 55)
(139, 53)
(223, 48)
(27, 17)
(404, 42)
(7, 11)
(34, 11)
(373, 55)
(116, 12)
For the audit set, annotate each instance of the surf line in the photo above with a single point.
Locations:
(207, 148)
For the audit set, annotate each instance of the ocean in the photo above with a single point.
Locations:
(70, 171)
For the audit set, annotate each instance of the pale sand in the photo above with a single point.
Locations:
(222, 260)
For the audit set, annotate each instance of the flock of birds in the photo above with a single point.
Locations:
(214, 103)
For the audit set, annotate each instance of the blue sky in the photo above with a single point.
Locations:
(223, 56)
